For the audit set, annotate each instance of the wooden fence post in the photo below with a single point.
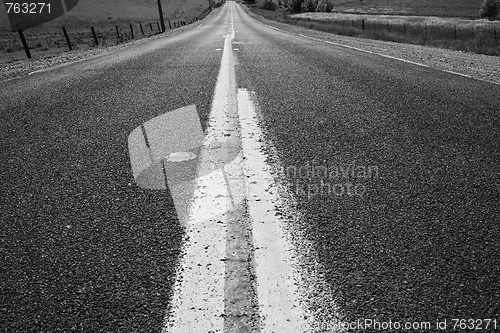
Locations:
(142, 30)
(95, 36)
(67, 38)
(25, 45)
(117, 32)
(131, 30)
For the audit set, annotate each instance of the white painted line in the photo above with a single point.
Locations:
(365, 51)
(198, 301)
(455, 73)
(280, 309)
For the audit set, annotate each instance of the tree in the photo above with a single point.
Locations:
(267, 4)
(490, 9)
(295, 5)
(324, 6)
(309, 6)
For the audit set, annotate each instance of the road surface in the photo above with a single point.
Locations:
(387, 172)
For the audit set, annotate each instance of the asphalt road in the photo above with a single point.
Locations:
(84, 249)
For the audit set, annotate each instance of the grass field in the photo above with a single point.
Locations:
(451, 8)
(111, 11)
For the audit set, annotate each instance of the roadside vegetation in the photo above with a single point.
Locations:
(490, 9)
(463, 34)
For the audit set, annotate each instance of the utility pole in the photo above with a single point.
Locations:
(162, 21)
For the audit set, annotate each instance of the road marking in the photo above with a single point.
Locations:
(210, 281)
(365, 51)
(198, 301)
(279, 305)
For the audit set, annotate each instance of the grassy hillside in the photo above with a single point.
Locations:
(110, 11)
(455, 8)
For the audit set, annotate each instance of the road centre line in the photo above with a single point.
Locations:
(279, 304)
(203, 299)
(198, 301)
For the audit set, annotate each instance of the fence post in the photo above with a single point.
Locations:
(151, 26)
(131, 30)
(95, 36)
(169, 25)
(158, 24)
(67, 38)
(117, 32)
(363, 24)
(25, 45)
(142, 30)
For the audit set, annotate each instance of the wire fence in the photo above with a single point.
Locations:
(71, 38)
(483, 39)
(412, 30)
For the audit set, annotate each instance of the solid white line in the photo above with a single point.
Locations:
(198, 301)
(365, 51)
(279, 305)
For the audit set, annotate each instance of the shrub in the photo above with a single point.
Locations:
(328, 7)
(295, 5)
(490, 8)
(324, 6)
(309, 6)
(267, 4)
